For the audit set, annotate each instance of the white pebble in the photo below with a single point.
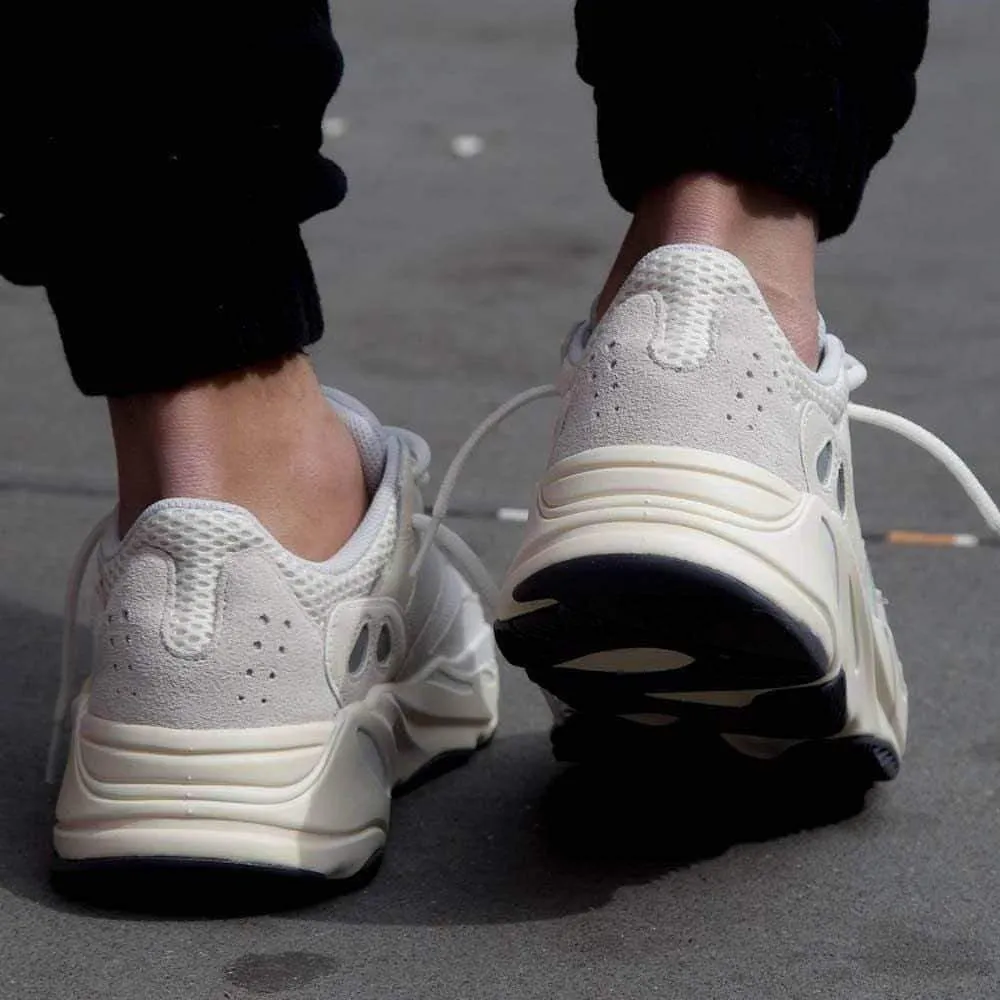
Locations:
(467, 146)
(334, 128)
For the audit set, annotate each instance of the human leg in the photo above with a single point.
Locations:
(750, 127)
(160, 206)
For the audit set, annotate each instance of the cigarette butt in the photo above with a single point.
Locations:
(515, 515)
(931, 539)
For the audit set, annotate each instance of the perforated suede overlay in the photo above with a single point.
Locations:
(200, 540)
(690, 355)
(263, 668)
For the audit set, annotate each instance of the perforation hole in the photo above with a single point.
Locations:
(258, 644)
(359, 653)
(824, 463)
(264, 619)
(281, 649)
(383, 648)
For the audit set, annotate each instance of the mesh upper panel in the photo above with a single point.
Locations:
(691, 288)
(200, 538)
(692, 283)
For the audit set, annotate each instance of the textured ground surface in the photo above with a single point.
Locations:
(448, 285)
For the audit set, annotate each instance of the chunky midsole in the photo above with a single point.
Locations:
(314, 797)
(690, 506)
(733, 518)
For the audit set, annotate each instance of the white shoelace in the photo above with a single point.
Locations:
(441, 502)
(432, 529)
(856, 375)
(71, 610)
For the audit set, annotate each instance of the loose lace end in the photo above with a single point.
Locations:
(66, 672)
(439, 511)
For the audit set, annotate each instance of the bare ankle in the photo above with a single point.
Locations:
(263, 438)
(773, 236)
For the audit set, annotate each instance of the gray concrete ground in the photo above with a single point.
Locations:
(448, 286)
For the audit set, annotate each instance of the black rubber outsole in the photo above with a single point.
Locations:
(196, 887)
(611, 743)
(737, 639)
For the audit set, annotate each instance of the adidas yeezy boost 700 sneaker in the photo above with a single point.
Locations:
(694, 552)
(249, 707)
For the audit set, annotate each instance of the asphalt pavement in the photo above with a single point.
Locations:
(449, 282)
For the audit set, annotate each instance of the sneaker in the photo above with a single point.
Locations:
(694, 553)
(251, 708)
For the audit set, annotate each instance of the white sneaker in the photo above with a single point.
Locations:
(248, 707)
(695, 553)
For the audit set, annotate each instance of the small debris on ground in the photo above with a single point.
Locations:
(467, 146)
(334, 128)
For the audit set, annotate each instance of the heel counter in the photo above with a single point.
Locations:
(239, 651)
(733, 399)
(690, 356)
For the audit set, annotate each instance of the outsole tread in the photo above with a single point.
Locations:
(778, 677)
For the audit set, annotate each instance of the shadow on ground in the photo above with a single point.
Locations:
(512, 836)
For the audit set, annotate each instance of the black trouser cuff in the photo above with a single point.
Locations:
(169, 315)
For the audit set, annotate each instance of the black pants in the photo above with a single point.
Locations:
(157, 165)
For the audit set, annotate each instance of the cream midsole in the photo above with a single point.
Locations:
(314, 796)
(732, 517)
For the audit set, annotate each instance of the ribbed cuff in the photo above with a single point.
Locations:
(806, 140)
(803, 98)
(157, 317)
